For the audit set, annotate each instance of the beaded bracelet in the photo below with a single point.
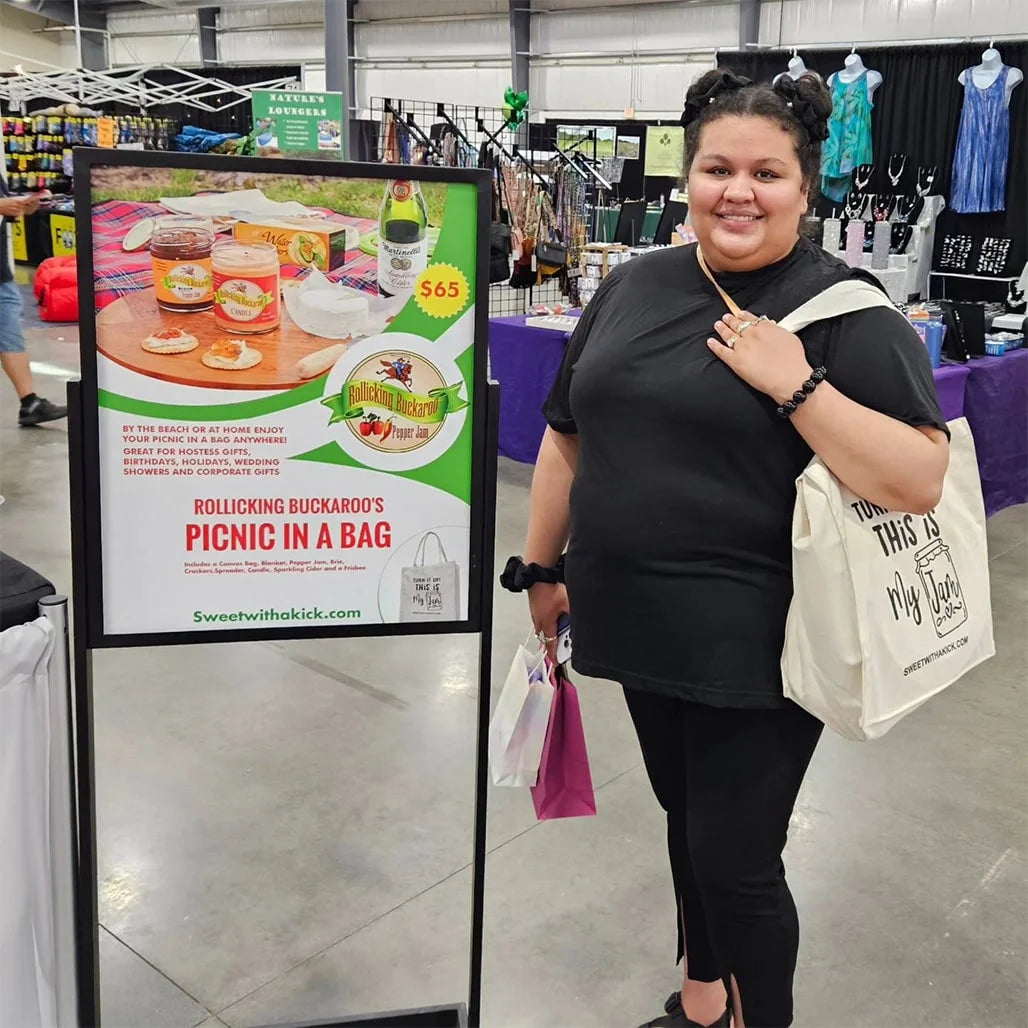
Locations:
(817, 376)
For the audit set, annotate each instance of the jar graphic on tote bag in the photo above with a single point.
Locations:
(941, 587)
(430, 592)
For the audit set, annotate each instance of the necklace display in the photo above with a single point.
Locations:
(925, 177)
(908, 209)
(883, 207)
(862, 177)
(854, 201)
(894, 178)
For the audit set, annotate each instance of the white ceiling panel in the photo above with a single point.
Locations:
(483, 86)
(641, 27)
(476, 37)
(846, 21)
(658, 90)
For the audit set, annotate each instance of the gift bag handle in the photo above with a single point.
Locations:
(419, 556)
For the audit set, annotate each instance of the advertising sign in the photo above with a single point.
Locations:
(106, 132)
(62, 234)
(665, 150)
(19, 244)
(300, 123)
(287, 396)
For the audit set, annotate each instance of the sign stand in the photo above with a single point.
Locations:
(90, 627)
(84, 765)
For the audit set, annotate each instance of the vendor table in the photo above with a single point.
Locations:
(996, 407)
(991, 392)
(524, 361)
(951, 384)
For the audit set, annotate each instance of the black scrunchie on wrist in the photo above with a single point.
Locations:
(518, 576)
(815, 125)
(697, 103)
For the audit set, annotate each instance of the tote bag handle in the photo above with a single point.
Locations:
(419, 556)
(844, 297)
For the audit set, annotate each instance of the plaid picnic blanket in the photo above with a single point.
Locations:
(117, 273)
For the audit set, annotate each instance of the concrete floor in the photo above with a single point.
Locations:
(285, 830)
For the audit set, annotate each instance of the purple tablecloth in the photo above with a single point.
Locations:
(996, 407)
(950, 384)
(524, 361)
(991, 392)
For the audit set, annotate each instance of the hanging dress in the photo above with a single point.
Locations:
(849, 136)
(980, 159)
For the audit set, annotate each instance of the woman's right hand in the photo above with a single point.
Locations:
(546, 603)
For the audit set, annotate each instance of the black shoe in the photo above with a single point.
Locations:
(674, 1016)
(40, 410)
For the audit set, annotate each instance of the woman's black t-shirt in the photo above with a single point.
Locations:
(679, 564)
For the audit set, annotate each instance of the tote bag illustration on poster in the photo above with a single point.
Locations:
(430, 592)
(888, 608)
(517, 729)
(565, 786)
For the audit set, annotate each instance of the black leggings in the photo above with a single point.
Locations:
(728, 779)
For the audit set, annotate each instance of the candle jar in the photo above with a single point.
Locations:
(247, 292)
(180, 252)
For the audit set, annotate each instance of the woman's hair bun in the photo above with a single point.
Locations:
(810, 101)
(706, 89)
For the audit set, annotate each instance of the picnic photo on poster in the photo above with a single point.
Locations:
(285, 371)
(210, 280)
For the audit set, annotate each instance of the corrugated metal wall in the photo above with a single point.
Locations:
(589, 60)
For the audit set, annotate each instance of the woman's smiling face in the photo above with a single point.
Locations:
(746, 193)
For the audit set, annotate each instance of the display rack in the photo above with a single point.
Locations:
(431, 132)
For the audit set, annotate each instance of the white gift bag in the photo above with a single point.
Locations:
(517, 730)
(430, 592)
(888, 608)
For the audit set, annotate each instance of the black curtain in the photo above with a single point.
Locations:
(917, 112)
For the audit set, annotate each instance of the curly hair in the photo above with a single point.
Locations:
(800, 106)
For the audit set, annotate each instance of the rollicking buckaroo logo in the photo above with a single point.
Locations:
(395, 401)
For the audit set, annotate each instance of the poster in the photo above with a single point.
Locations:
(19, 244)
(106, 131)
(62, 234)
(628, 147)
(281, 444)
(665, 150)
(307, 124)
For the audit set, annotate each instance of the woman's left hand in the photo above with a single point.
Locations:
(763, 355)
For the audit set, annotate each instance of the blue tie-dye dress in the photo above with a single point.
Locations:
(980, 159)
(849, 136)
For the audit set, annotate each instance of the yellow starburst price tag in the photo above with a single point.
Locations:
(441, 291)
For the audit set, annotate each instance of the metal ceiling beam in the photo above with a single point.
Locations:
(749, 23)
(207, 31)
(340, 72)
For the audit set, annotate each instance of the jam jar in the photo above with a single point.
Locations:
(180, 249)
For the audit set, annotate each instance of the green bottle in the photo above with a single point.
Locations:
(402, 237)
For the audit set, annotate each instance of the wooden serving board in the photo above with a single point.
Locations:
(122, 326)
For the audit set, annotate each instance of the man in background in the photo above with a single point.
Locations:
(33, 410)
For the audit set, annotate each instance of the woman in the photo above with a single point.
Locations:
(670, 464)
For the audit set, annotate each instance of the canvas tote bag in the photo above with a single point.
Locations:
(430, 592)
(888, 608)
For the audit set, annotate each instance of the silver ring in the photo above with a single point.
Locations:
(730, 342)
(744, 325)
(764, 317)
(544, 638)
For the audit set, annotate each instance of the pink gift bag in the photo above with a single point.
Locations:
(565, 785)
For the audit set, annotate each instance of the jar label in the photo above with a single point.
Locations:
(185, 282)
(252, 300)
